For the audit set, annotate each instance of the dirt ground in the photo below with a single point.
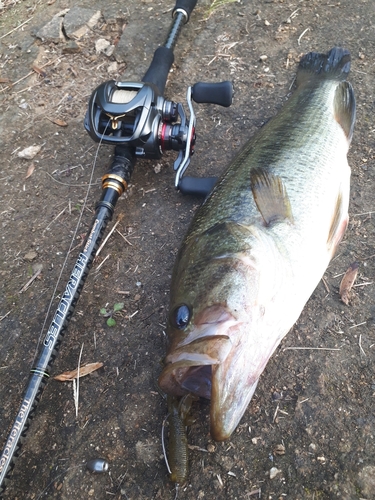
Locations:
(317, 402)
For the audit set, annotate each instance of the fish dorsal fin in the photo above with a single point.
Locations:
(270, 196)
(344, 108)
(338, 225)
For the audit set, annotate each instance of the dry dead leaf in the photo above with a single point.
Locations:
(347, 282)
(30, 170)
(83, 371)
(57, 121)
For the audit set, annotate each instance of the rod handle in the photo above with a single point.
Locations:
(220, 93)
(158, 70)
(186, 5)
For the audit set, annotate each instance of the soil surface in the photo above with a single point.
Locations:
(312, 416)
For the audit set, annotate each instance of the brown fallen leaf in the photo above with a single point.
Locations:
(57, 121)
(347, 282)
(83, 371)
(30, 170)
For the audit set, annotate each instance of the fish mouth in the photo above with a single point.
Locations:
(206, 368)
(189, 367)
(209, 361)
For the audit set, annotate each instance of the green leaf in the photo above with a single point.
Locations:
(118, 306)
(103, 311)
(111, 322)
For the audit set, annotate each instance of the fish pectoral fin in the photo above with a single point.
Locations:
(270, 196)
(344, 108)
(338, 225)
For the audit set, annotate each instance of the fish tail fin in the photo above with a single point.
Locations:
(334, 65)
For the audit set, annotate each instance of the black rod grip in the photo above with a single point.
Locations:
(213, 93)
(186, 5)
(158, 70)
(199, 186)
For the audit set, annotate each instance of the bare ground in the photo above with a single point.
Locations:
(317, 402)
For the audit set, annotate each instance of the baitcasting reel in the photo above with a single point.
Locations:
(136, 115)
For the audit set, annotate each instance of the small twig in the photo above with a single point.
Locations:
(71, 184)
(28, 74)
(15, 29)
(325, 285)
(106, 239)
(363, 213)
(275, 414)
(254, 492)
(25, 287)
(77, 386)
(358, 324)
(301, 35)
(57, 216)
(122, 236)
(312, 348)
(5, 315)
(293, 14)
(100, 265)
(360, 345)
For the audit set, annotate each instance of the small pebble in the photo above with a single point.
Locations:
(31, 255)
(71, 47)
(273, 472)
(29, 153)
(279, 449)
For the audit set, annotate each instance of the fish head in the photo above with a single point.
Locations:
(214, 305)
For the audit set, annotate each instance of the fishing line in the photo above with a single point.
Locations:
(64, 264)
(163, 443)
(58, 477)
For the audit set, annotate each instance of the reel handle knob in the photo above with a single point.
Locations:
(213, 93)
(198, 186)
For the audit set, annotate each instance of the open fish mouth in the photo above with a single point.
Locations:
(189, 367)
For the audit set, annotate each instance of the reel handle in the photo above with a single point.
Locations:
(220, 93)
(197, 186)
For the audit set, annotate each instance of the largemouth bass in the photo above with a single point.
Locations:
(260, 243)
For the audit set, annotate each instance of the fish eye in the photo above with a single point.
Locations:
(180, 317)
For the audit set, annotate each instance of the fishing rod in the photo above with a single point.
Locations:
(136, 119)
